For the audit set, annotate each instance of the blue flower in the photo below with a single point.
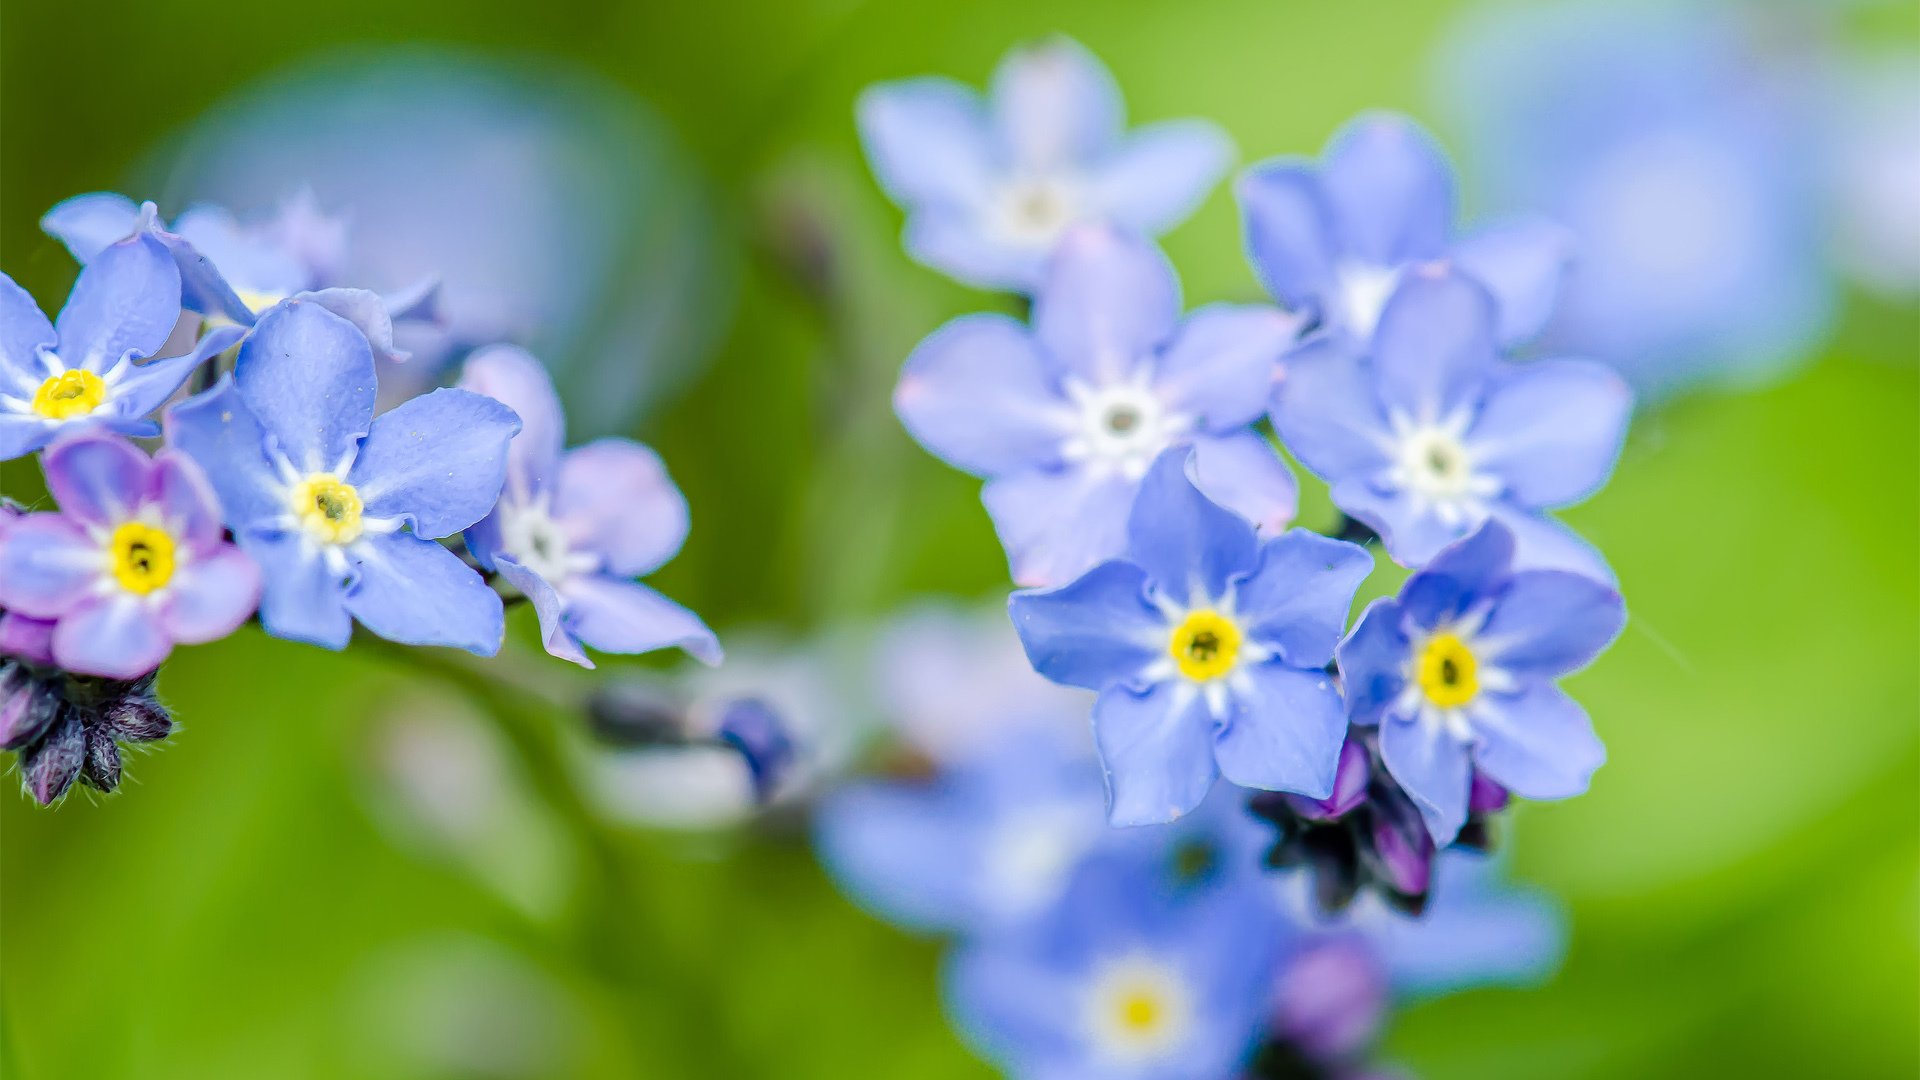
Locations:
(572, 530)
(340, 508)
(991, 186)
(1459, 672)
(237, 272)
(1123, 980)
(1064, 418)
(1478, 930)
(82, 371)
(1206, 645)
(1333, 239)
(1430, 434)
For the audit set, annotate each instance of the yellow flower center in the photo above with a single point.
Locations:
(69, 394)
(1447, 672)
(142, 557)
(1205, 645)
(328, 507)
(1140, 1012)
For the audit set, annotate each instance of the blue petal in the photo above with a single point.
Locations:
(22, 434)
(958, 244)
(1462, 574)
(1551, 430)
(1162, 173)
(927, 141)
(1523, 264)
(436, 461)
(244, 259)
(1243, 473)
(222, 436)
(897, 851)
(1055, 105)
(1411, 536)
(1004, 1002)
(1109, 300)
(302, 599)
(1297, 600)
(615, 499)
(1374, 659)
(1289, 232)
(147, 386)
(1542, 543)
(1058, 525)
(416, 592)
(1188, 545)
(1390, 189)
(1326, 413)
(368, 313)
(125, 301)
(510, 375)
(1549, 623)
(1285, 732)
(1434, 347)
(307, 375)
(23, 332)
(1223, 361)
(1435, 769)
(549, 607)
(1158, 752)
(976, 394)
(1473, 933)
(619, 616)
(1538, 744)
(1099, 631)
(86, 224)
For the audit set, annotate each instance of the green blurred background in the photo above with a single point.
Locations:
(1743, 881)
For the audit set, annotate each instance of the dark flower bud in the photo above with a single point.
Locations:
(750, 726)
(138, 718)
(49, 768)
(101, 769)
(27, 707)
(1330, 1000)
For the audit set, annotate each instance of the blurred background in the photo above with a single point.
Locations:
(342, 868)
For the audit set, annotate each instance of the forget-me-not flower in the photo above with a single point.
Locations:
(991, 186)
(1429, 434)
(134, 562)
(1206, 645)
(1333, 238)
(574, 528)
(1459, 672)
(83, 369)
(1064, 418)
(342, 508)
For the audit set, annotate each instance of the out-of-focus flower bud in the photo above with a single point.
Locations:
(50, 767)
(752, 727)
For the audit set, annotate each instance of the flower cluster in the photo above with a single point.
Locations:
(277, 493)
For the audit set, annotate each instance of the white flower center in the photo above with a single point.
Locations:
(1032, 211)
(530, 535)
(1138, 1008)
(1364, 290)
(1433, 464)
(1122, 427)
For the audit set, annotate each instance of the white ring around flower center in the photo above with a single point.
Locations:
(1138, 1008)
(530, 535)
(1363, 292)
(1434, 464)
(1120, 428)
(1033, 210)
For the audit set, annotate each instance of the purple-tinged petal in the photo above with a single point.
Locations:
(1298, 597)
(1552, 429)
(1056, 526)
(1331, 999)
(1390, 189)
(28, 638)
(1222, 363)
(1158, 750)
(1463, 573)
(415, 592)
(307, 376)
(1411, 536)
(302, 599)
(555, 637)
(116, 636)
(1350, 779)
(1434, 347)
(1097, 632)
(1326, 413)
(220, 433)
(977, 394)
(510, 375)
(24, 331)
(1055, 105)
(619, 616)
(1404, 853)
(48, 566)
(927, 141)
(368, 313)
(1484, 796)
(1549, 623)
(186, 499)
(1434, 767)
(1107, 304)
(86, 224)
(1188, 545)
(246, 260)
(437, 460)
(1289, 232)
(1243, 473)
(97, 479)
(1162, 173)
(211, 595)
(1523, 264)
(1285, 732)
(1373, 661)
(1543, 543)
(1537, 744)
(616, 500)
(125, 301)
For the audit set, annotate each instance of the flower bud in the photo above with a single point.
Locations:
(101, 769)
(49, 768)
(27, 706)
(138, 718)
(750, 726)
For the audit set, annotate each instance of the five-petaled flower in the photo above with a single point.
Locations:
(341, 508)
(1207, 647)
(574, 528)
(1429, 433)
(1459, 672)
(1065, 417)
(134, 562)
(991, 186)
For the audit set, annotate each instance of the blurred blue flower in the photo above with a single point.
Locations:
(340, 508)
(1429, 434)
(81, 371)
(573, 528)
(134, 562)
(1332, 239)
(991, 186)
(238, 272)
(1876, 171)
(1459, 671)
(1064, 418)
(1123, 980)
(1206, 645)
(762, 738)
(1688, 171)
